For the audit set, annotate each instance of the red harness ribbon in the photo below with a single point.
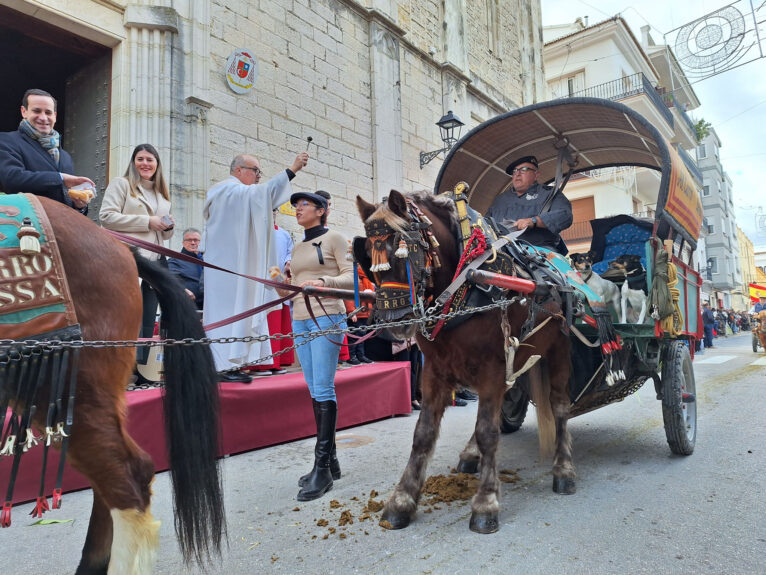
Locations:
(474, 247)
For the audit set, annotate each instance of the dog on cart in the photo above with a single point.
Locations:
(629, 305)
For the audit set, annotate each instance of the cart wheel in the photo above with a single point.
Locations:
(513, 410)
(755, 343)
(679, 407)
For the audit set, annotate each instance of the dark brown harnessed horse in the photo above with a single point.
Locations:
(103, 280)
(471, 353)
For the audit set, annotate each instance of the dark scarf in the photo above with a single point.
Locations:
(49, 142)
(314, 232)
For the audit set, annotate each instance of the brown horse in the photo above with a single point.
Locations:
(471, 354)
(103, 280)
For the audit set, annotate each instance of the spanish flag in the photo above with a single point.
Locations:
(756, 291)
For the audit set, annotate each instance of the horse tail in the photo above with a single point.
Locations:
(192, 426)
(540, 393)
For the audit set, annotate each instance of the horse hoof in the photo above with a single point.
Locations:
(468, 466)
(484, 522)
(564, 485)
(391, 520)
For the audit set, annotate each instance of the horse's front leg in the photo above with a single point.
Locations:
(401, 506)
(485, 506)
(98, 543)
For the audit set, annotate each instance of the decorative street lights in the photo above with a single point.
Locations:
(447, 125)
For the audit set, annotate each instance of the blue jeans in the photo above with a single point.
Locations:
(319, 357)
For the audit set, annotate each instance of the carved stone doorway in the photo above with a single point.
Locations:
(76, 71)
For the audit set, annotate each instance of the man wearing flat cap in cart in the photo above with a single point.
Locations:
(526, 206)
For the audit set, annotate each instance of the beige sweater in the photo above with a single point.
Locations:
(336, 272)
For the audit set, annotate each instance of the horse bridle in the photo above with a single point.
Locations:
(415, 245)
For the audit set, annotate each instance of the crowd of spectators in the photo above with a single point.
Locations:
(724, 322)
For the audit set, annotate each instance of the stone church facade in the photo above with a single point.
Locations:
(365, 79)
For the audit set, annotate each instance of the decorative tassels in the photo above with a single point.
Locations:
(29, 242)
(610, 344)
(9, 447)
(5, 516)
(402, 251)
(56, 499)
(30, 440)
(41, 507)
(379, 255)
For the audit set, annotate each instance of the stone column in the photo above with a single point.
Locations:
(191, 130)
(454, 93)
(144, 115)
(455, 47)
(161, 91)
(386, 108)
(455, 68)
(531, 52)
(388, 8)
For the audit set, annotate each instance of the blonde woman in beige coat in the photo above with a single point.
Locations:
(138, 205)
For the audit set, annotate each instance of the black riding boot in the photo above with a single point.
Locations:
(334, 463)
(319, 480)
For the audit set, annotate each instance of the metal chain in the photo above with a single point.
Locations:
(429, 316)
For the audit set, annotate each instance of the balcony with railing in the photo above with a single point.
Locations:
(671, 102)
(577, 232)
(690, 164)
(627, 87)
(685, 132)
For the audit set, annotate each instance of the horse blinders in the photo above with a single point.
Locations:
(394, 299)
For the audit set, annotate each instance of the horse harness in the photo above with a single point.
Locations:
(416, 248)
(482, 247)
(34, 299)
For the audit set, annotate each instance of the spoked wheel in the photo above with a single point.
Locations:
(679, 400)
(514, 409)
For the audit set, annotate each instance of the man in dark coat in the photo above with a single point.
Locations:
(190, 273)
(708, 322)
(523, 207)
(31, 158)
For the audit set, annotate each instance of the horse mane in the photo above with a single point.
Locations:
(441, 206)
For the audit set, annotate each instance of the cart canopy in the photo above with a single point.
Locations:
(593, 133)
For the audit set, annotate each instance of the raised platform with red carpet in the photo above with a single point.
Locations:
(268, 411)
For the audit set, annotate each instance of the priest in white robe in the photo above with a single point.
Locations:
(239, 224)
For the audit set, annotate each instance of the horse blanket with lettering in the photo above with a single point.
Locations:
(34, 294)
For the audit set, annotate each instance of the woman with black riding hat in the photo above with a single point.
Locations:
(319, 260)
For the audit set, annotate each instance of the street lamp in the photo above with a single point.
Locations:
(447, 126)
(709, 269)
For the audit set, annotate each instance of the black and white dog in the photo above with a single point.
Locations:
(625, 302)
(635, 275)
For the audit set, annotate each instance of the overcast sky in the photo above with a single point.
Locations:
(734, 102)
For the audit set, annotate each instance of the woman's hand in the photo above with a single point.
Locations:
(316, 283)
(156, 224)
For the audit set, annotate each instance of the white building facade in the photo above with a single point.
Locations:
(722, 265)
(606, 60)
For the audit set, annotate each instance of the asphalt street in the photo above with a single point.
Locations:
(638, 508)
